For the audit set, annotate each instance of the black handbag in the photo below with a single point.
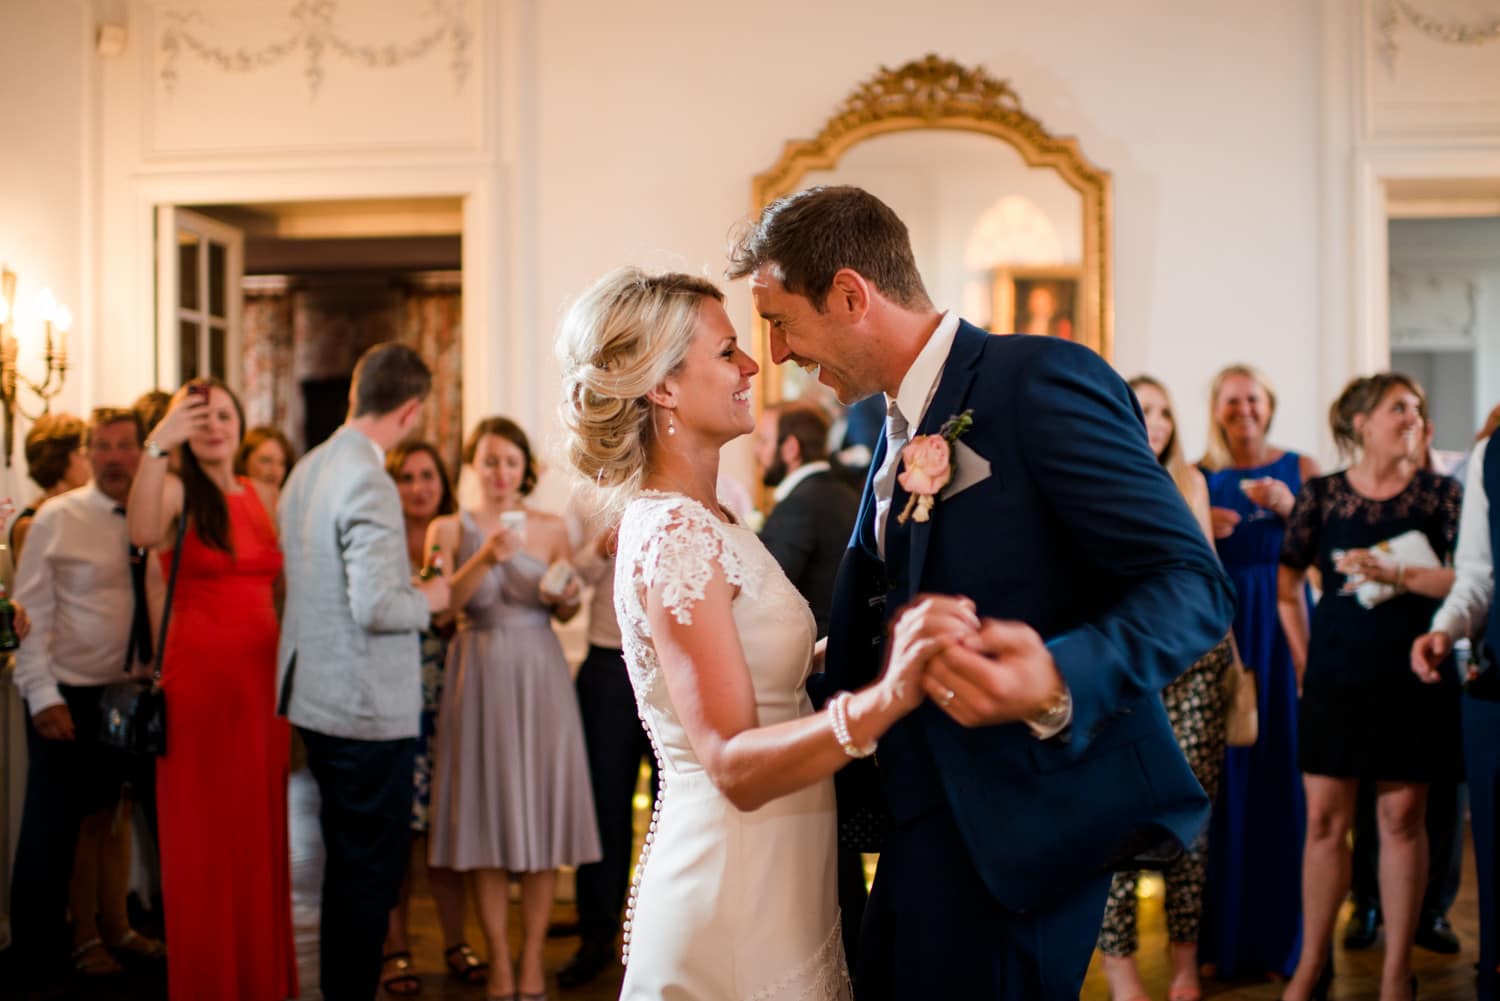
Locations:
(133, 714)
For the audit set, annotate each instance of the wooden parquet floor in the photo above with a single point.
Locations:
(1442, 978)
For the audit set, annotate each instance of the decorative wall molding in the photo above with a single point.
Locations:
(1439, 28)
(314, 35)
(1428, 307)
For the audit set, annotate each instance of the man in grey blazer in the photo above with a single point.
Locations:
(347, 670)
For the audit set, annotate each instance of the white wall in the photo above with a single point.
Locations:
(43, 64)
(653, 116)
(589, 133)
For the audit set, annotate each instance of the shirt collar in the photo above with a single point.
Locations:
(921, 379)
(802, 472)
(95, 497)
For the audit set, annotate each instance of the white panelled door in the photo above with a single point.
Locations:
(200, 263)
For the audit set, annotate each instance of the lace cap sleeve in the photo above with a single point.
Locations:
(681, 544)
(1299, 547)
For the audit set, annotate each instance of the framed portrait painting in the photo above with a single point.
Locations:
(1037, 301)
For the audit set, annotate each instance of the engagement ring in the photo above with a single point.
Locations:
(948, 697)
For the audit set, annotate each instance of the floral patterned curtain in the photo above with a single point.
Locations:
(317, 328)
(434, 327)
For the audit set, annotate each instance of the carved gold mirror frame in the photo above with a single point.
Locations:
(936, 93)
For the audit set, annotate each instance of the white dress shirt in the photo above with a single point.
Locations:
(595, 570)
(912, 397)
(74, 581)
(1468, 603)
(795, 477)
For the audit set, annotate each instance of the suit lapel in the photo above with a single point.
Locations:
(947, 401)
(864, 525)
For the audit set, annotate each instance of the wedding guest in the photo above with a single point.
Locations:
(1447, 804)
(1363, 714)
(510, 785)
(1195, 706)
(221, 785)
(265, 455)
(57, 461)
(808, 528)
(1252, 899)
(1470, 611)
(426, 493)
(347, 666)
(90, 620)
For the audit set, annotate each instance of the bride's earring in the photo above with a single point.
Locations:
(671, 424)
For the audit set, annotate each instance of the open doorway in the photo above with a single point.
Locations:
(1444, 306)
(280, 298)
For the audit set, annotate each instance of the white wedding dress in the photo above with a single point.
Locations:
(726, 905)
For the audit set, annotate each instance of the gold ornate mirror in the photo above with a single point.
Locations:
(1014, 234)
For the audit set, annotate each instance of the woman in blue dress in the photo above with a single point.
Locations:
(1253, 902)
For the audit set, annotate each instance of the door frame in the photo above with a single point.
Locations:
(482, 263)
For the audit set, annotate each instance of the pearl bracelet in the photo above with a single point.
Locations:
(838, 718)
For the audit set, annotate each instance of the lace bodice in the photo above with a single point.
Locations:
(675, 544)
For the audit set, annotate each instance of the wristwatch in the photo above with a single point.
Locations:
(1055, 718)
(154, 450)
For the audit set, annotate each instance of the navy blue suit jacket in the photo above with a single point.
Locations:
(1080, 533)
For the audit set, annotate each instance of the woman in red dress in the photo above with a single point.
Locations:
(221, 786)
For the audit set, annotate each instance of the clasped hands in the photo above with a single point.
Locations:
(981, 672)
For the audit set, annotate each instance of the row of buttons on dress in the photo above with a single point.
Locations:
(640, 866)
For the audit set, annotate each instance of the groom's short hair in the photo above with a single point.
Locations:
(811, 235)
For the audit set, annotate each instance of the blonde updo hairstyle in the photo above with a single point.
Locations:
(626, 334)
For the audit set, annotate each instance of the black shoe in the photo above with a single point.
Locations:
(562, 929)
(1363, 927)
(587, 963)
(1437, 935)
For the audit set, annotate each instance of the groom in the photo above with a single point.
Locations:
(1043, 758)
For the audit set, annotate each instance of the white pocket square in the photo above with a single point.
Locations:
(971, 468)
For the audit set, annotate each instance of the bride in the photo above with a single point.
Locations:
(734, 895)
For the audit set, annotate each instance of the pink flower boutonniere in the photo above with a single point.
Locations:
(929, 464)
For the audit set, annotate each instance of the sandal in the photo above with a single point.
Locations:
(92, 959)
(464, 966)
(396, 975)
(133, 945)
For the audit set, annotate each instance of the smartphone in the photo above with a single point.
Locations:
(198, 388)
(513, 521)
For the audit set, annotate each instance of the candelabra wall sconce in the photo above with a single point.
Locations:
(56, 320)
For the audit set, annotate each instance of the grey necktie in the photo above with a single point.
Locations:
(897, 434)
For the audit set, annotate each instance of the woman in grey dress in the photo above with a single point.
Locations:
(510, 776)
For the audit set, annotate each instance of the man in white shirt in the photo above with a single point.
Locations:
(617, 744)
(75, 581)
(1470, 611)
